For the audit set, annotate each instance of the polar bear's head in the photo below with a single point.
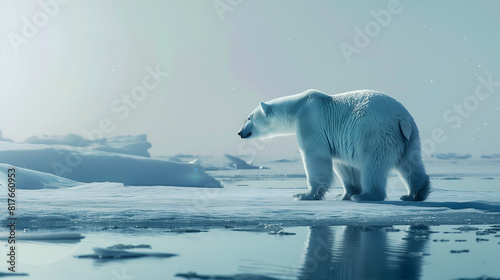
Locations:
(268, 120)
(261, 123)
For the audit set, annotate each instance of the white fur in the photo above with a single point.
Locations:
(361, 135)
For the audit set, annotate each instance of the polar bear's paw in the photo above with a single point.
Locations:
(420, 195)
(417, 197)
(407, 198)
(306, 196)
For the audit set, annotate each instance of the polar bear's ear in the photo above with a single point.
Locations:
(266, 108)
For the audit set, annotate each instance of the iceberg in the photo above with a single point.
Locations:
(48, 166)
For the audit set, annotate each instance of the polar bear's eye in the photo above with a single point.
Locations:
(248, 118)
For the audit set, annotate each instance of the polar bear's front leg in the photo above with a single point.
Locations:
(351, 180)
(319, 171)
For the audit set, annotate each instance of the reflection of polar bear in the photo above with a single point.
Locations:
(366, 133)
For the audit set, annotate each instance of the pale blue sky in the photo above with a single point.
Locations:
(67, 76)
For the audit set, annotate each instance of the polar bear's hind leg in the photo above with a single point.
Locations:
(412, 172)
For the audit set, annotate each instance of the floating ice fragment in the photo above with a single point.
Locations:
(49, 236)
(281, 232)
(244, 276)
(467, 228)
(7, 274)
(186, 230)
(124, 247)
(459, 251)
(262, 228)
(110, 254)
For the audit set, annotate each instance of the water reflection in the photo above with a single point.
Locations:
(364, 253)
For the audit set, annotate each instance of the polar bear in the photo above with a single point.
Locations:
(361, 135)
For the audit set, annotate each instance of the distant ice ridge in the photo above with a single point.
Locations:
(238, 163)
(136, 145)
(494, 156)
(452, 156)
(47, 166)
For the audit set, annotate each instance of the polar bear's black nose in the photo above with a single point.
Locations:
(243, 135)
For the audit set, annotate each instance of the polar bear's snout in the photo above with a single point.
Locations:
(246, 130)
(244, 134)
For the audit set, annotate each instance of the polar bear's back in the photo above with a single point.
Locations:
(359, 101)
(364, 101)
(375, 108)
(365, 119)
(365, 110)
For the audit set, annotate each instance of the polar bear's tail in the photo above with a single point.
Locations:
(411, 167)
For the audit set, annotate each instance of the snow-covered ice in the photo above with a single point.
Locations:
(108, 189)
(102, 205)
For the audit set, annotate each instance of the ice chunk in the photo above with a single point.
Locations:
(124, 247)
(7, 274)
(109, 254)
(34, 180)
(243, 276)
